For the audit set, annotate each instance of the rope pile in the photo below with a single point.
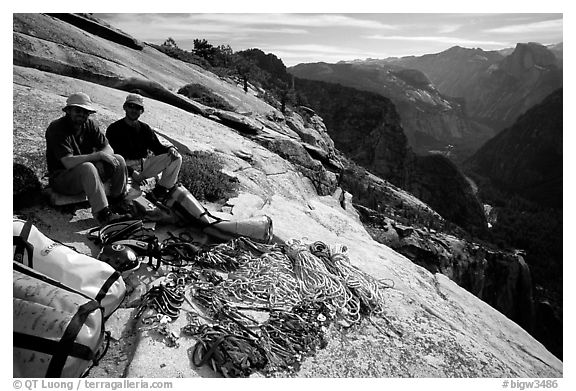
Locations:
(368, 290)
(266, 281)
(227, 256)
(301, 289)
(318, 284)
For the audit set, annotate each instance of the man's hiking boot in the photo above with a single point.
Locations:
(106, 216)
(121, 205)
(158, 194)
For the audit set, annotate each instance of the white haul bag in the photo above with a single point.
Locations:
(57, 331)
(88, 275)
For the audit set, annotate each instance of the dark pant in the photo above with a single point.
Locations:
(89, 178)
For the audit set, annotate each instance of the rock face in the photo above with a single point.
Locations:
(528, 57)
(429, 119)
(379, 144)
(431, 327)
(527, 157)
(502, 279)
(364, 126)
(516, 84)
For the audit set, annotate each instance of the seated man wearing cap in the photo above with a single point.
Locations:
(79, 160)
(145, 156)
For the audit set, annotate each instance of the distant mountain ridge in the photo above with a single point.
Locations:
(453, 71)
(495, 88)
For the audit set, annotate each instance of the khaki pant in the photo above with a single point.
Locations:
(89, 178)
(154, 165)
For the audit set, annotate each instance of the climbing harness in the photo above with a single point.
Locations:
(179, 251)
(132, 229)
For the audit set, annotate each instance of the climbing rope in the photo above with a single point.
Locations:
(366, 288)
(266, 281)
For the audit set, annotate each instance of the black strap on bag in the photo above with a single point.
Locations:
(107, 284)
(67, 342)
(23, 245)
(48, 346)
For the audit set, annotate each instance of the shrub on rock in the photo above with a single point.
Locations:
(201, 173)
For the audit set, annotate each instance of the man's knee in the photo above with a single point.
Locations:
(89, 175)
(87, 169)
(121, 168)
(178, 161)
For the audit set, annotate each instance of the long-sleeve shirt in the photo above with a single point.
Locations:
(134, 142)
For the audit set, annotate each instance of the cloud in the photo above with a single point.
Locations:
(548, 26)
(234, 20)
(299, 20)
(448, 28)
(437, 39)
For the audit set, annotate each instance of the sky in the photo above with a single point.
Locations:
(331, 37)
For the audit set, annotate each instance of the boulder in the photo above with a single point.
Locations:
(312, 132)
(324, 181)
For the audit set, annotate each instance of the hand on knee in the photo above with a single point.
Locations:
(138, 178)
(121, 161)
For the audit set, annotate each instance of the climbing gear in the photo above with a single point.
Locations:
(85, 274)
(230, 354)
(302, 287)
(166, 298)
(56, 330)
(120, 257)
(367, 289)
(131, 229)
(131, 234)
(179, 250)
(145, 248)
